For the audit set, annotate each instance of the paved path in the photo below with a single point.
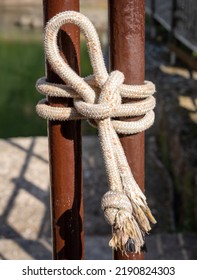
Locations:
(24, 206)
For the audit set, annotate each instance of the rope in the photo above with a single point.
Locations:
(98, 98)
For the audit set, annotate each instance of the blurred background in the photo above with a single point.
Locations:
(171, 144)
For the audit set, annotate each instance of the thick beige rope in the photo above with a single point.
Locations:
(98, 98)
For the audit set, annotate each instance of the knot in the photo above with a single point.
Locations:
(113, 203)
(98, 98)
(118, 212)
(106, 103)
(86, 92)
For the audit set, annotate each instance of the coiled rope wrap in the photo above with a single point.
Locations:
(98, 98)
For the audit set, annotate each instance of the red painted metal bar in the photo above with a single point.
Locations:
(65, 150)
(126, 24)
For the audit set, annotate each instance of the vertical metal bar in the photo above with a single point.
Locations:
(126, 20)
(65, 150)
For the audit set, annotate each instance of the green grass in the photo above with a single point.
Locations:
(86, 68)
(21, 64)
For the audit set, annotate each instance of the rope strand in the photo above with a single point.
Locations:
(98, 98)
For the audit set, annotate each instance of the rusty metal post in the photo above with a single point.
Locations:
(65, 150)
(126, 21)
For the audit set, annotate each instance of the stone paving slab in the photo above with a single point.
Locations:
(25, 212)
(160, 247)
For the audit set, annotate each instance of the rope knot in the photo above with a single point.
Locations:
(106, 100)
(98, 98)
(113, 204)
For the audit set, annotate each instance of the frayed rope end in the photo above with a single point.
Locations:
(128, 226)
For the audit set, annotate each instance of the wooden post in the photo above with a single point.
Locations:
(65, 150)
(126, 24)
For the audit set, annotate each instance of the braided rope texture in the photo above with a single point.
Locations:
(98, 98)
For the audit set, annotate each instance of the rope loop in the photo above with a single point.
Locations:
(99, 98)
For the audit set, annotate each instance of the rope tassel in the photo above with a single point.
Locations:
(98, 99)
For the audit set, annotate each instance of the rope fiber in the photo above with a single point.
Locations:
(98, 98)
